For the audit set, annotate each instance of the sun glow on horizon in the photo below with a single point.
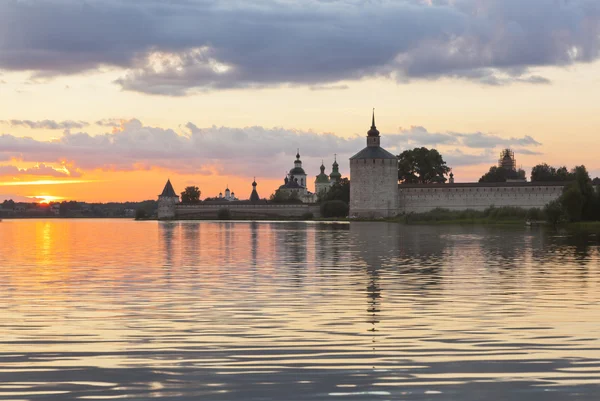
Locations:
(43, 182)
(46, 199)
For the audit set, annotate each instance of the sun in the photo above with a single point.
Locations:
(46, 199)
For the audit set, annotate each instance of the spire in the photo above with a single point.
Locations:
(298, 154)
(373, 131)
(254, 182)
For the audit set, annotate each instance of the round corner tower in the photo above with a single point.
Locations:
(373, 180)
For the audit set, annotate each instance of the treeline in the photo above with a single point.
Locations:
(580, 200)
(10, 208)
(336, 201)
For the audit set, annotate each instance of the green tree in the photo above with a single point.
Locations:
(8, 204)
(338, 191)
(544, 172)
(422, 166)
(140, 214)
(499, 174)
(190, 195)
(334, 208)
(282, 197)
(554, 212)
(584, 184)
(573, 201)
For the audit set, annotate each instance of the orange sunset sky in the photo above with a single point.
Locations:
(104, 101)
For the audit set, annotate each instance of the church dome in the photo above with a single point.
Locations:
(297, 171)
(322, 178)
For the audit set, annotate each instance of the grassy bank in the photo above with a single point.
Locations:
(492, 215)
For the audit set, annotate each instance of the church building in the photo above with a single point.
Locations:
(323, 182)
(294, 184)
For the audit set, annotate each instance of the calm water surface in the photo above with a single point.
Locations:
(109, 309)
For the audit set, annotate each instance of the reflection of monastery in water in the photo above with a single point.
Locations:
(374, 191)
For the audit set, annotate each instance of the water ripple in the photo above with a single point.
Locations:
(111, 309)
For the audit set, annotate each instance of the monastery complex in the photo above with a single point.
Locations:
(374, 191)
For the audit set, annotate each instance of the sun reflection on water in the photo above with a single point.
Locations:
(247, 310)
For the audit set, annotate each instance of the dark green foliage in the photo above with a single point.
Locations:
(338, 191)
(8, 204)
(491, 215)
(224, 214)
(535, 214)
(190, 195)
(554, 212)
(334, 208)
(499, 174)
(580, 201)
(140, 214)
(282, 197)
(307, 216)
(544, 172)
(573, 202)
(422, 166)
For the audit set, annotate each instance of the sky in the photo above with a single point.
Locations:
(106, 100)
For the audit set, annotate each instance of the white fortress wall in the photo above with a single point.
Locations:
(476, 196)
(246, 210)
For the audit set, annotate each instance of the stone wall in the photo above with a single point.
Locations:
(423, 198)
(374, 188)
(246, 210)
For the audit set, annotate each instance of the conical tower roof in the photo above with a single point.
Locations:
(168, 190)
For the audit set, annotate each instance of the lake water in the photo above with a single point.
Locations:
(110, 309)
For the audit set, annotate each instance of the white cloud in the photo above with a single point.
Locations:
(47, 124)
(38, 170)
(249, 151)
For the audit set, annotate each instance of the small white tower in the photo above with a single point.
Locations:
(373, 180)
(166, 202)
(298, 173)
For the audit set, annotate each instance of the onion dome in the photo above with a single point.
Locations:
(254, 195)
(373, 131)
(297, 171)
(322, 178)
(335, 172)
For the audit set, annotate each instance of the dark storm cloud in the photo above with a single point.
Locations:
(183, 46)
